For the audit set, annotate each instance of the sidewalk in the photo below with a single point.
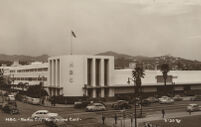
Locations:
(168, 115)
(127, 122)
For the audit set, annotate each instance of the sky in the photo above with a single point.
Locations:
(134, 27)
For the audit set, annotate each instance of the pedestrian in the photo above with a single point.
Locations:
(103, 119)
(51, 100)
(54, 100)
(115, 118)
(189, 112)
(148, 125)
(145, 124)
(163, 113)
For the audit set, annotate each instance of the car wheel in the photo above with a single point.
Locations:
(36, 118)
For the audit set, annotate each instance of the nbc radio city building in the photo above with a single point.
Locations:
(95, 76)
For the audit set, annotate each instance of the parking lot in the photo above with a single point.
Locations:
(26, 110)
(88, 119)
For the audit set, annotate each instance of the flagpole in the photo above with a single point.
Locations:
(71, 45)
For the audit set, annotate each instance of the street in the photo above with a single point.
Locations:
(26, 110)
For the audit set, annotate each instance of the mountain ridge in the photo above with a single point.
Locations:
(176, 63)
(22, 58)
(121, 60)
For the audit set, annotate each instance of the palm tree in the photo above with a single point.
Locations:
(165, 69)
(137, 74)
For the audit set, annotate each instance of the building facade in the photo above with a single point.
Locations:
(95, 77)
(80, 75)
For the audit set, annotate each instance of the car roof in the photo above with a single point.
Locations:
(164, 96)
(121, 101)
(53, 114)
(97, 104)
(42, 111)
(193, 104)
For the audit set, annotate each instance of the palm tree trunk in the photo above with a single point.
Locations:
(165, 90)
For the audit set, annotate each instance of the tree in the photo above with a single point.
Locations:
(165, 69)
(5, 81)
(36, 91)
(137, 74)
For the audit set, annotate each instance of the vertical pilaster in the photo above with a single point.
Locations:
(86, 71)
(52, 67)
(111, 92)
(102, 93)
(56, 73)
(94, 93)
(93, 72)
(102, 72)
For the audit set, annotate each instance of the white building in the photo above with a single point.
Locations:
(30, 74)
(95, 76)
(70, 75)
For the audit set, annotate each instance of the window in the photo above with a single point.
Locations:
(160, 79)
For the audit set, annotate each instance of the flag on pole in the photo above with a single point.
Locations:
(73, 34)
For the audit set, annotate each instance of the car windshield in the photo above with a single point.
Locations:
(96, 104)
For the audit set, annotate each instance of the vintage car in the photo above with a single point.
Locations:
(193, 107)
(121, 104)
(55, 121)
(95, 107)
(11, 109)
(152, 99)
(81, 104)
(196, 98)
(165, 100)
(177, 98)
(43, 114)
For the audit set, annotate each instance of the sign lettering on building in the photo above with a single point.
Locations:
(71, 65)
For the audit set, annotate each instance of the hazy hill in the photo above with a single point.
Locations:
(178, 63)
(121, 60)
(116, 55)
(8, 59)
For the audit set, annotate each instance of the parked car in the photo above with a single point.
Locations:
(177, 98)
(81, 104)
(1, 101)
(11, 97)
(152, 99)
(132, 101)
(145, 102)
(43, 114)
(193, 107)
(24, 99)
(196, 98)
(11, 109)
(35, 101)
(121, 104)
(165, 100)
(95, 107)
(55, 121)
(31, 100)
(189, 93)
